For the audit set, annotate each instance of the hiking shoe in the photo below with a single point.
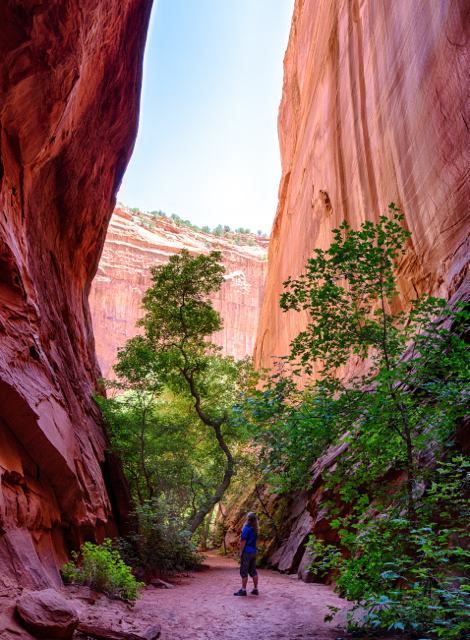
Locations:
(255, 592)
(240, 592)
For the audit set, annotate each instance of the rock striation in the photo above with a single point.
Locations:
(123, 276)
(375, 109)
(70, 75)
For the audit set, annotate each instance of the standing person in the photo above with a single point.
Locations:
(248, 540)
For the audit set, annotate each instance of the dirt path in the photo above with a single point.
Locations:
(204, 607)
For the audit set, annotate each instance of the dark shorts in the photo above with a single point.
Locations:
(248, 565)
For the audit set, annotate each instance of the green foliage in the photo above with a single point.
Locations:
(179, 314)
(164, 539)
(251, 242)
(218, 231)
(135, 210)
(410, 575)
(384, 426)
(227, 229)
(103, 569)
(173, 426)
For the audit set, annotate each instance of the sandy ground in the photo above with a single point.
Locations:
(204, 608)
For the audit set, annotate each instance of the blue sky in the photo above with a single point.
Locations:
(207, 147)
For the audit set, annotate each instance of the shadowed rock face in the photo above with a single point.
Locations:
(123, 276)
(70, 76)
(375, 109)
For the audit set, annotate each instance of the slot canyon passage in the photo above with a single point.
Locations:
(375, 109)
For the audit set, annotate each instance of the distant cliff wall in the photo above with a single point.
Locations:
(375, 109)
(70, 74)
(123, 276)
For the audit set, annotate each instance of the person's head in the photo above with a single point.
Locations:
(252, 521)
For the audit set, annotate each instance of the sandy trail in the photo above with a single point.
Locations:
(204, 607)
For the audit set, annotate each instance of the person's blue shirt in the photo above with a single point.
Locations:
(251, 537)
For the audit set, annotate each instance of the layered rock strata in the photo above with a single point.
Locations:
(375, 109)
(123, 276)
(70, 77)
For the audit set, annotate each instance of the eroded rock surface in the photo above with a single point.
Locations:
(47, 614)
(70, 75)
(375, 109)
(123, 276)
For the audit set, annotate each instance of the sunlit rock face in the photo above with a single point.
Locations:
(375, 109)
(70, 77)
(123, 276)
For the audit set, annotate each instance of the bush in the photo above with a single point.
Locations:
(164, 542)
(251, 242)
(103, 569)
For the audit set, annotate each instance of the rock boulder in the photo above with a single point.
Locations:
(47, 614)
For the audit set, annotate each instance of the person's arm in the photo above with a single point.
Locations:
(243, 537)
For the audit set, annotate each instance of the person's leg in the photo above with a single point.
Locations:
(254, 574)
(244, 575)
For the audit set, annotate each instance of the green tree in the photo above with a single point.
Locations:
(386, 425)
(218, 231)
(175, 353)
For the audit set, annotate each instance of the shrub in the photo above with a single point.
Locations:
(163, 542)
(103, 569)
(401, 552)
(251, 242)
(205, 229)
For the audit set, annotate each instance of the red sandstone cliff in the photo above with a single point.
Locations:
(123, 276)
(375, 109)
(70, 78)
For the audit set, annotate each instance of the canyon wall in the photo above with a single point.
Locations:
(375, 109)
(70, 77)
(123, 276)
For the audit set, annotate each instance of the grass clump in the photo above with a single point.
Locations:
(103, 569)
